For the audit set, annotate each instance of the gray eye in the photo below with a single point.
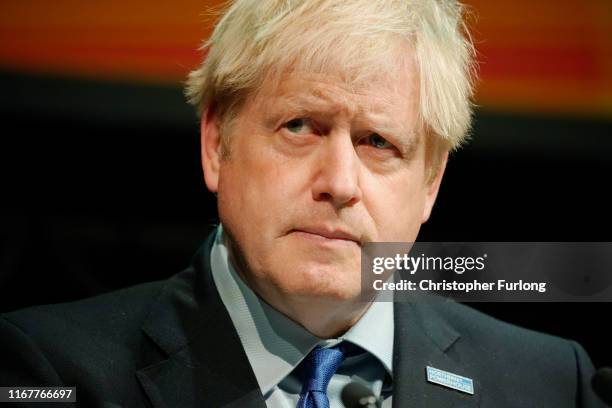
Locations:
(296, 125)
(378, 141)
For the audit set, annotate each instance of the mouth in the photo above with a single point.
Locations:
(327, 235)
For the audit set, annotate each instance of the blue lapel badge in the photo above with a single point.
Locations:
(450, 380)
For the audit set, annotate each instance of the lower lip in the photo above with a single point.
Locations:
(323, 240)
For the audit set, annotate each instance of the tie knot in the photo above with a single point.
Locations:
(320, 365)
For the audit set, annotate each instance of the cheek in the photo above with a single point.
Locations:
(396, 206)
(243, 217)
(257, 189)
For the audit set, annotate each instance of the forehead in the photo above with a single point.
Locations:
(379, 73)
(391, 92)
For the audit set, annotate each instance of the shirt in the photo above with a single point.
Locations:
(275, 345)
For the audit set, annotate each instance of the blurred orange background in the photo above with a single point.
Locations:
(541, 57)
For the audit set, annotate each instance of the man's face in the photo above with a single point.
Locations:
(316, 168)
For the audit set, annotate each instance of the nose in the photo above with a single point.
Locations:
(337, 176)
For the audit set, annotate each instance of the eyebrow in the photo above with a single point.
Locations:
(316, 103)
(319, 103)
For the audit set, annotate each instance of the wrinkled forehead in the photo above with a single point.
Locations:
(387, 105)
(330, 95)
(385, 81)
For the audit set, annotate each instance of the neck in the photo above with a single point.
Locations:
(324, 318)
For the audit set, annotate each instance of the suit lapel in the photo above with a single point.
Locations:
(423, 338)
(204, 363)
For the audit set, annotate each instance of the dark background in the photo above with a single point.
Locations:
(102, 188)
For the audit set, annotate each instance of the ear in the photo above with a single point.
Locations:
(210, 145)
(431, 189)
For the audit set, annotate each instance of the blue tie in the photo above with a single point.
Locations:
(317, 370)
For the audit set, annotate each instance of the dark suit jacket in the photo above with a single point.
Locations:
(172, 344)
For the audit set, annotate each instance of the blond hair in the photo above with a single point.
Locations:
(256, 39)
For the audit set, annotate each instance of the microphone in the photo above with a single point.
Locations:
(357, 395)
(602, 384)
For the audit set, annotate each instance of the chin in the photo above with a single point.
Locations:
(324, 282)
